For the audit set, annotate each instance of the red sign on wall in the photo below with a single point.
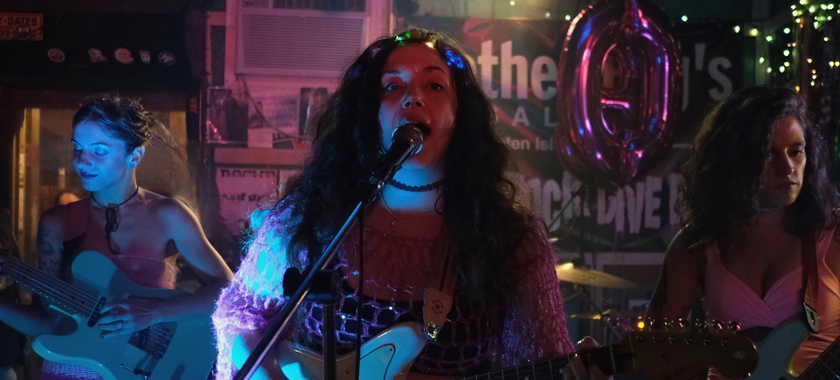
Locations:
(21, 26)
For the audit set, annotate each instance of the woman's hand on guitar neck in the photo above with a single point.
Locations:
(577, 371)
(129, 315)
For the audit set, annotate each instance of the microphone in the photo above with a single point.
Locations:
(406, 141)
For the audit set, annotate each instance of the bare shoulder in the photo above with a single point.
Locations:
(679, 248)
(169, 208)
(51, 224)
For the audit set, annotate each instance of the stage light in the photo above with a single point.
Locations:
(769, 70)
(547, 14)
(787, 30)
(568, 17)
(786, 53)
(761, 60)
(684, 18)
(737, 29)
(769, 38)
(781, 69)
(753, 32)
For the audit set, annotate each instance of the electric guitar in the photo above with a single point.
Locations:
(656, 355)
(779, 347)
(171, 351)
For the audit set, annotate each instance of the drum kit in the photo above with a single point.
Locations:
(580, 277)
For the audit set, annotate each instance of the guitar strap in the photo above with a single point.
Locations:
(810, 278)
(438, 298)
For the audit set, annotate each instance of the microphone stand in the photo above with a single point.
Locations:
(379, 178)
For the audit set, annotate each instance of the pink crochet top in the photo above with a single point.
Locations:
(466, 344)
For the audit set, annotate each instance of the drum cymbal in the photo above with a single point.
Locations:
(609, 313)
(604, 315)
(579, 275)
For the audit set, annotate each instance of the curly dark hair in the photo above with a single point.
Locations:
(721, 178)
(123, 118)
(481, 205)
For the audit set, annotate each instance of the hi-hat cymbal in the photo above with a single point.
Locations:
(569, 273)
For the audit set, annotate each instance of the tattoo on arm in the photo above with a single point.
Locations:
(44, 248)
(47, 259)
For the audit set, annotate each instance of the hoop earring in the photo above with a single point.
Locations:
(440, 210)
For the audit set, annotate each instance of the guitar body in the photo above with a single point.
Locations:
(388, 356)
(167, 351)
(777, 350)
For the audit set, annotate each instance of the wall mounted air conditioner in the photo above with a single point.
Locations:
(305, 38)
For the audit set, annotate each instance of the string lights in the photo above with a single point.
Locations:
(812, 55)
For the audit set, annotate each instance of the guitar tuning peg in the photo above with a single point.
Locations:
(668, 323)
(734, 326)
(683, 324)
(650, 323)
(702, 325)
(717, 324)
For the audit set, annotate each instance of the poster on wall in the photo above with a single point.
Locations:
(227, 115)
(517, 63)
(243, 190)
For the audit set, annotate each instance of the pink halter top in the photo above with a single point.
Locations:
(728, 298)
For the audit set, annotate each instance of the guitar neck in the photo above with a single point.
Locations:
(825, 366)
(551, 369)
(58, 293)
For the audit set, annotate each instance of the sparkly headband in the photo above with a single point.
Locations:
(453, 59)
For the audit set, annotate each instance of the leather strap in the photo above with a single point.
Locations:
(438, 298)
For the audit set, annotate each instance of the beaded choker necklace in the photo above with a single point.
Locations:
(417, 189)
(112, 216)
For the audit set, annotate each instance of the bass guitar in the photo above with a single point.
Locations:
(779, 347)
(656, 355)
(173, 351)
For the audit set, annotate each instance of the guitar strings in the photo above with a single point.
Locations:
(31, 272)
(48, 282)
(159, 334)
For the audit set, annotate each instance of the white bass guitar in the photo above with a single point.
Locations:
(168, 351)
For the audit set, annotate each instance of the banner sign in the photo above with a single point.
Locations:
(517, 62)
(243, 190)
(21, 26)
